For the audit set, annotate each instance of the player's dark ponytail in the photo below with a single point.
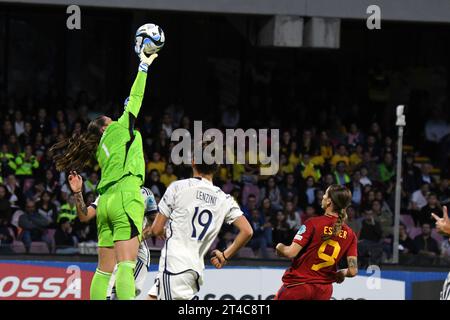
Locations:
(76, 152)
(341, 198)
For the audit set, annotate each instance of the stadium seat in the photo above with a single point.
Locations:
(407, 220)
(18, 247)
(39, 247)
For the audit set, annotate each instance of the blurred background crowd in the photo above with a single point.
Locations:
(335, 110)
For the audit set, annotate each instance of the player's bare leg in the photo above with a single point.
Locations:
(126, 254)
(106, 263)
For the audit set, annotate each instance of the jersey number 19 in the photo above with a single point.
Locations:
(201, 221)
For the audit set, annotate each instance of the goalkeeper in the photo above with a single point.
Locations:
(87, 213)
(117, 147)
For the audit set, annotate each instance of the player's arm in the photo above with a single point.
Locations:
(134, 101)
(157, 229)
(220, 258)
(289, 252)
(442, 224)
(301, 238)
(76, 185)
(349, 272)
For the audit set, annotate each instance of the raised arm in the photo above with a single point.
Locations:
(134, 101)
(76, 185)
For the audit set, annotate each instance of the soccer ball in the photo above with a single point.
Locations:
(150, 38)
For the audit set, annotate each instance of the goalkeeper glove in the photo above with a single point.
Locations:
(146, 61)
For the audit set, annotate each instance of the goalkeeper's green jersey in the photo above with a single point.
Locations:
(120, 152)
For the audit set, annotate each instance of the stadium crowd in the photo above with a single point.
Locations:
(38, 210)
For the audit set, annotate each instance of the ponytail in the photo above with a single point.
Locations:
(342, 216)
(341, 199)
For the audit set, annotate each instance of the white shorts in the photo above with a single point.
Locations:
(182, 286)
(445, 293)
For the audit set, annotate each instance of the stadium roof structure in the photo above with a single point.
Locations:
(435, 11)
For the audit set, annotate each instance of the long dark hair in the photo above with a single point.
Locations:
(77, 152)
(341, 199)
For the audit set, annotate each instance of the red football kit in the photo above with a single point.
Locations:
(313, 271)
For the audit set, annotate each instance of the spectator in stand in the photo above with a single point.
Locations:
(47, 209)
(307, 143)
(433, 206)
(327, 181)
(292, 216)
(426, 245)
(425, 174)
(168, 176)
(365, 180)
(167, 124)
(266, 209)
(5, 158)
(19, 124)
(370, 249)
(308, 195)
(309, 212)
(281, 232)
(25, 163)
(325, 146)
(443, 192)
(289, 190)
(261, 233)
(294, 156)
(340, 156)
(90, 185)
(318, 195)
(14, 192)
(285, 142)
(406, 244)
(154, 183)
(272, 191)
(354, 136)
(418, 201)
(386, 170)
(371, 165)
(34, 226)
(249, 206)
(445, 250)
(5, 205)
(356, 188)
(352, 220)
(68, 210)
(65, 240)
(384, 217)
(157, 163)
(356, 157)
(411, 174)
(340, 174)
(307, 168)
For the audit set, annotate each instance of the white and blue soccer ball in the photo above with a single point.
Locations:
(149, 37)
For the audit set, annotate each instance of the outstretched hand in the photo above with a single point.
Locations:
(146, 61)
(75, 182)
(442, 224)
